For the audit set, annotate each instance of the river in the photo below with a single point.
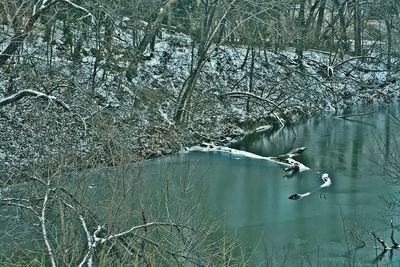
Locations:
(249, 197)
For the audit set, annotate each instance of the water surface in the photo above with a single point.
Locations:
(250, 196)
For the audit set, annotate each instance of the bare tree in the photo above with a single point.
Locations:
(320, 18)
(213, 18)
(78, 226)
(37, 9)
(149, 36)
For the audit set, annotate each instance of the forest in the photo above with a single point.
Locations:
(100, 85)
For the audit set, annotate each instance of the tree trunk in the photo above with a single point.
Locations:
(186, 93)
(301, 27)
(151, 31)
(357, 28)
(17, 40)
(320, 19)
(343, 27)
(251, 76)
(211, 27)
(389, 24)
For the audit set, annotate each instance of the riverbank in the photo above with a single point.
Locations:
(111, 120)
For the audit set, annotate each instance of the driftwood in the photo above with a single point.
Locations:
(327, 182)
(285, 160)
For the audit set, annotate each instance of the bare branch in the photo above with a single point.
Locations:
(134, 228)
(247, 94)
(354, 58)
(358, 238)
(381, 241)
(42, 219)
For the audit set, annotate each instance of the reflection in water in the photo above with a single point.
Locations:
(251, 196)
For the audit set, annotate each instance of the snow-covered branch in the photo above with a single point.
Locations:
(395, 244)
(92, 242)
(88, 13)
(19, 205)
(45, 4)
(24, 93)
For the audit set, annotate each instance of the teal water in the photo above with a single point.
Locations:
(249, 197)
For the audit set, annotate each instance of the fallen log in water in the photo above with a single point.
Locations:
(284, 160)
